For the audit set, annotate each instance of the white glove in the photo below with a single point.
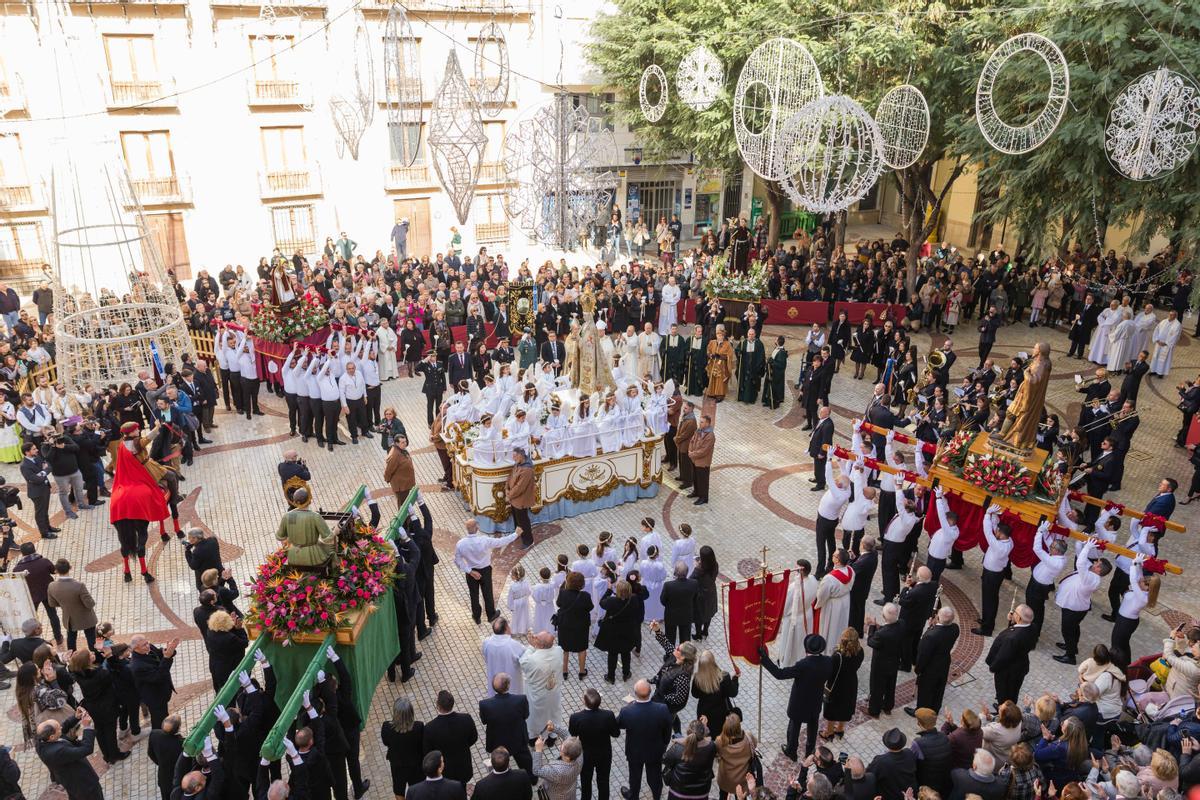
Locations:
(244, 679)
(220, 713)
(993, 509)
(320, 676)
(208, 750)
(307, 702)
(333, 656)
(264, 762)
(939, 492)
(261, 658)
(289, 747)
(1044, 528)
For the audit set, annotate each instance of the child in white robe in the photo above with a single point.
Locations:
(543, 594)
(518, 601)
(684, 548)
(654, 575)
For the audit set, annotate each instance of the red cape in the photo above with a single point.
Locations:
(135, 493)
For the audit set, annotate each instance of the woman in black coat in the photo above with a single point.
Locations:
(862, 348)
(713, 689)
(226, 643)
(705, 573)
(99, 700)
(402, 738)
(574, 621)
(839, 339)
(481, 363)
(412, 342)
(842, 684)
(620, 627)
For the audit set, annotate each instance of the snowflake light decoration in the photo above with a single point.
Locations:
(558, 160)
(654, 82)
(699, 78)
(352, 103)
(778, 79)
(1008, 138)
(457, 138)
(832, 153)
(903, 120)
(491, 73)
(1152, 125)
(402, 84)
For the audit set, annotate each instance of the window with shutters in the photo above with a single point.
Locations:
(491, 225)
(294, 229)
(22, 249)
(275, 78)
(492, 169)
(151, 164)
(133, 69)
(288, 170)
(15, 189)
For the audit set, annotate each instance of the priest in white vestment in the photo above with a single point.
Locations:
(628, 344)
(832, 605)
(388, 368)
(1120, 339)
(541, 671)
(1143, 324)
(797, 621)
(668, 310)
(648, 342)
(1098, 350)
(502, 653)
(1163, 340)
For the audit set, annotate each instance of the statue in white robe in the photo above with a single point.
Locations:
(797, 621)
(502, 653)
(833, 606)
(1098, 349)
(1165, 335)
(1119, 341)
(541, 669)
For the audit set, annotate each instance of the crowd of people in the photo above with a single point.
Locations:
(1121, 731)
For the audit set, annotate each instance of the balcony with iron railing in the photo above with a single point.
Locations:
(12, 95)
(165, 191)
(493, 172)
(395, 86)
(276, 3)
(460, 6)
(301, 181)
(277, 92)
(16, 197)
(144, 93)
(397, 176)
(491, 232)
(290, 246)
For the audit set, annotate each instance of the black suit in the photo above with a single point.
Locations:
(678, 598)
(809, 676)
(440, 789)
(503, 717)
(164, 750)
(152, 676)
(37, 487)
(822, 435)
(452, 734)
(553, 351)
(595, 728)
(887, 643)
(864, 573)
(1008, 659)
(647, 729)
(932, 664)
(202, 556)
(916, 606)
(515, 784)
(894, 771)
(68, 763)
(459, 368)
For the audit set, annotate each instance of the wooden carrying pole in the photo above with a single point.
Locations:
(978, 496)
(762, 631)
(928, 448)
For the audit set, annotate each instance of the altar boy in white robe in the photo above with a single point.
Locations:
(554, 434)
(832, 606)
(797, 622)
(1165, 335)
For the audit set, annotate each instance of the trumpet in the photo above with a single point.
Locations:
(1083, 383)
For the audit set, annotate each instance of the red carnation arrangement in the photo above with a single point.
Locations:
(998, 476)
(955, 451)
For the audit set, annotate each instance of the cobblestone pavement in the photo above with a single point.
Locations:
(760, 498)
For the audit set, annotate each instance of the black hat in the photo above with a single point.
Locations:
(894, 739)
(814, 643)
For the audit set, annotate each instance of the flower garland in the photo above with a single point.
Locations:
(721, 281)
(286, 602)
(302, 319)
(955, 451)
(998, 476)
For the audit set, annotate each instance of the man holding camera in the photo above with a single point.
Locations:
(63, 458)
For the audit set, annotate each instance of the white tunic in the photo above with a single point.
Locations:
(656, 413)
(629, 355)
(611, 422)
(833, 601)
(543, 687)
(797, 619)
(582, 437)
(684, 550)
(654, 575)
(502, 653)
(543, 595)
(1143, 324)
(668, 310)
(1098, 351)
(387, 354)
(1120, 340)
(518, 606)
(1165, 335)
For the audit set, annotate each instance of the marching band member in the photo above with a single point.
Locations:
(1000, 544)
(1074, 598)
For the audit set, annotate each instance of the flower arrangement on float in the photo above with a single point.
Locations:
(721, 281)
(302, 319)
(287, 602)
(998, 476)
(955, 451)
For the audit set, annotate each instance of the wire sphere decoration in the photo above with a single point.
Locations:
(653, 77)
(558, 160)
(1151, 129)
(402, 86)
(833, 154)
(1012, 139)
(492, 74)
(457, 138)
(699, 78)
(352, 103)
(903, 120)
(779, 78)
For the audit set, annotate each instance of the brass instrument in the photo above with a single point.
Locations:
(936, 360)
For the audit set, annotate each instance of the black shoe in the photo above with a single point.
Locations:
(816, 488)
(1108, 618)
(353, 440)
(49, 535)
(405, 677)
(210, 441)
(610, 678)
(165, 538)
(416, 657)
(700, 502)
(330, 446)
(424, 635)
(95, 503)
(625, 792)
(625, 676)
(1065, 659)
(304, 439)
(128, 577)
(147, 577)
(52, 529)
(391, 673)
(433, 620)
(1061, 645)
(912, 712)
(368, 435)
(880, 602)
(807, 428)
(258, 413)
(363, 789)
(291, 433)
(791, 754)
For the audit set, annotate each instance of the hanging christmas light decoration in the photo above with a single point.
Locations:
(832, 153)
(652, 92)
(699, 79)
(402, 85)
(778, 79)
(558, 160)
(903, 120)
(1151, 129)
(1012, 139)
(354, 108)
(491, 72)
(457, 138)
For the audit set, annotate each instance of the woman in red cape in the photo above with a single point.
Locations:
(137, 500)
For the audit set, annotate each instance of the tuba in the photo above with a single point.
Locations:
(937, 360)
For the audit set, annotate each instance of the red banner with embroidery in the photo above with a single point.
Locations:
(754, 613)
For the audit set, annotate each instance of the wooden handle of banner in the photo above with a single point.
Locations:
(1116, 549)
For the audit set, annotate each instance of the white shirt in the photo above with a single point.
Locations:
(1074, 593)
(291, 370)
(328, 384)
(309, 381)
(474, 551)
(1135, 598)
(1138, 544)
(648, 540)
(835, 498)
(683, 550)
(1049, 565)
(585, 567)
(247, 363)
(854, 518)
(942, 542)
(901, 524)
(352, 387)
(367, 366)
(996, 557)
(33, 418)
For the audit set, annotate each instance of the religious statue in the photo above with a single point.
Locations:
(282, 295)
(595, 368)
(571, 344)
(310, 542)
(739, 247)
(1025, 411)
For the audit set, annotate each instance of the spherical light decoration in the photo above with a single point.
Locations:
(556, 152)
(903, 120)
(654, 82)
(699, 78)
(778, 79)
(491, 72)
(402, 85)
(1012, 139)
(832, 152)
(1152, 125)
